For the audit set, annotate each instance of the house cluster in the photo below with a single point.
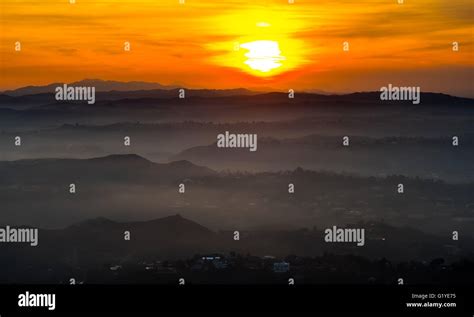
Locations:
(221, 262)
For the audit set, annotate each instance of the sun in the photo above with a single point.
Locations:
(263, 55)
(259, 42)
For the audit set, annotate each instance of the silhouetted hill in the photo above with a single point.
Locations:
(113, 168)
(101, 241)
(98, 242)
(100, 85)
(144, 93)
(130, 187)
(365, 155)
(146, 236)
(354, 111)
(111, 90)
(140, 89)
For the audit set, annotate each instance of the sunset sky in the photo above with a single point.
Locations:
(234, 43)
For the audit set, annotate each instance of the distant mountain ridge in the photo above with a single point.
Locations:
(167, 100)
(121, 90)
(115, 90)
(100, 85)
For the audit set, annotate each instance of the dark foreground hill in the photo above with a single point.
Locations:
(101, 242)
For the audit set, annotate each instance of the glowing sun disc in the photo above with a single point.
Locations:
(263, 55)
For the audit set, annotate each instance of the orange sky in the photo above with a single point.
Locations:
(197, 44)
